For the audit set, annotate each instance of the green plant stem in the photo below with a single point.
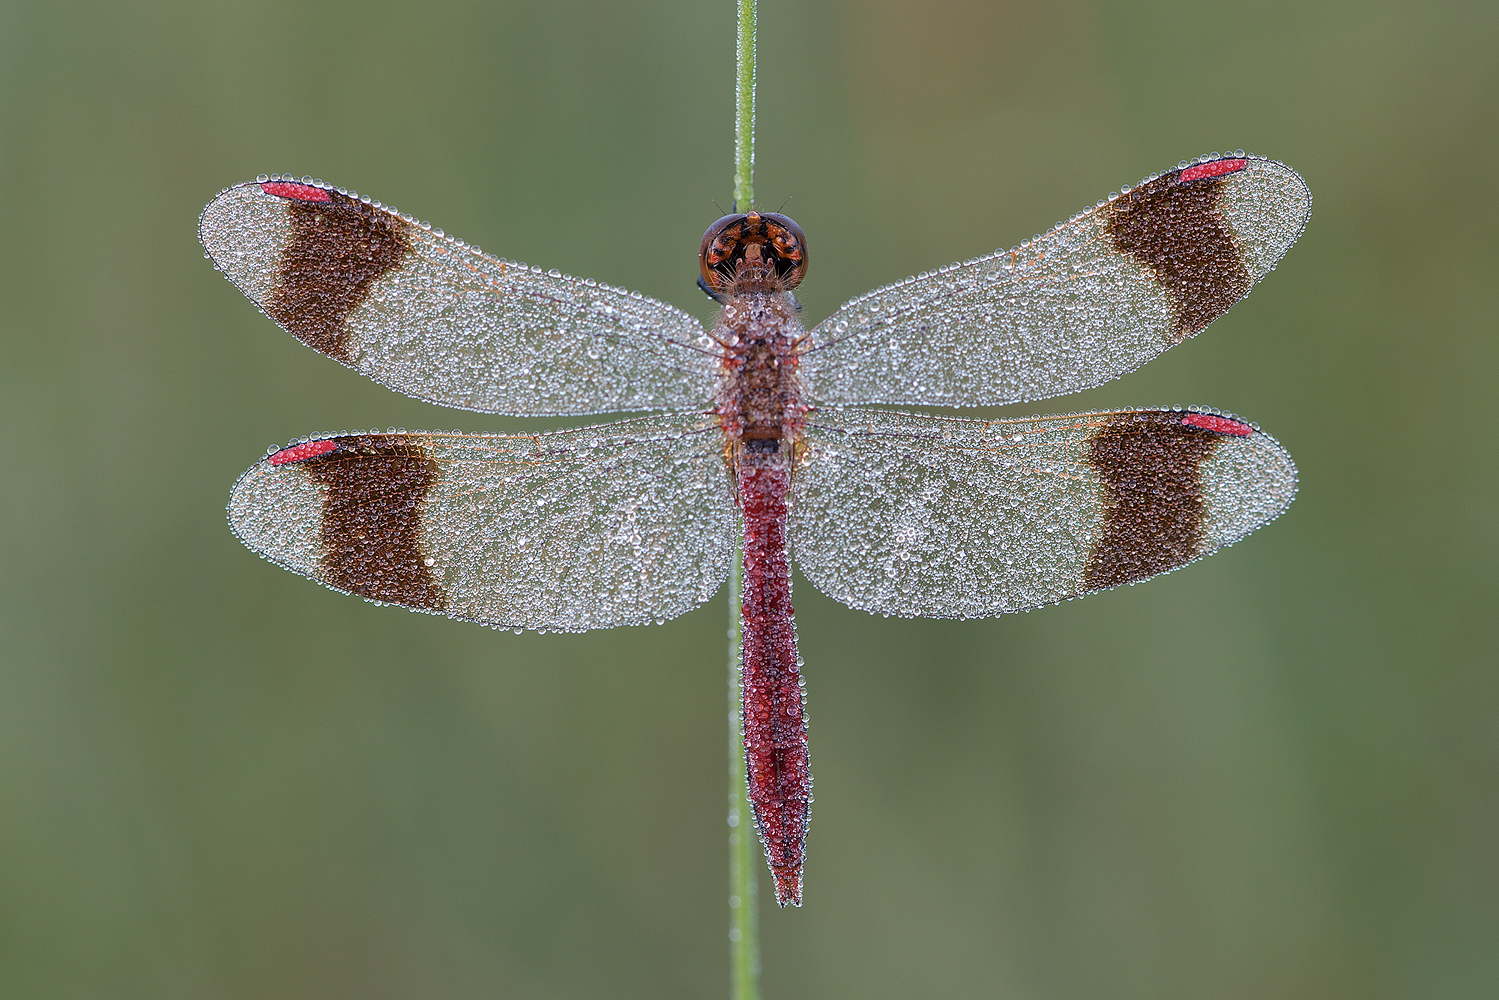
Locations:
(744, 861)
(744, 110)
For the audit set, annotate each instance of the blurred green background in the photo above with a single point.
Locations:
(1271, 775)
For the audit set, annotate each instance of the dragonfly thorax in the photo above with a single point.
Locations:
(760, 396)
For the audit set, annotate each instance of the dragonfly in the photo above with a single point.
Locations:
(756, 434)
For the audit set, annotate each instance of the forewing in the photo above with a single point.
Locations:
(936, 517)
(1098, 296)
(617, 524)
(435, 318)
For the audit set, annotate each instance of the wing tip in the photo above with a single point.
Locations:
(286, 187)
(1258, 458)
(1282, 187)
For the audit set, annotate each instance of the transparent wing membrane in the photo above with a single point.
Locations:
(1096, 297)
(435, 318)
(616, 524)
(938, 517)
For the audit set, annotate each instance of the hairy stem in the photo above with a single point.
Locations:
(744, 110)
(744, 856)
(744, 861)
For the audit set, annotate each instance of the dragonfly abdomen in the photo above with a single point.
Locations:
(774, 719)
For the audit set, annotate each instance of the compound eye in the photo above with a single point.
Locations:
(717, 248)
(790, 245)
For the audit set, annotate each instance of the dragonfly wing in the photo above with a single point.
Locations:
(433, 317)
(617, 524)
(937, 517)
(1098, 296)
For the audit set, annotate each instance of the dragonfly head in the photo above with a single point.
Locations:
(752, 251)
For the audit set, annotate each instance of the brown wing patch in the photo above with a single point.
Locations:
(338, 248)
(1151, 465)
(1177, 230)
(376, 485)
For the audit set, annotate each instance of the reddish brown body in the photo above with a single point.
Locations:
(751, 262)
